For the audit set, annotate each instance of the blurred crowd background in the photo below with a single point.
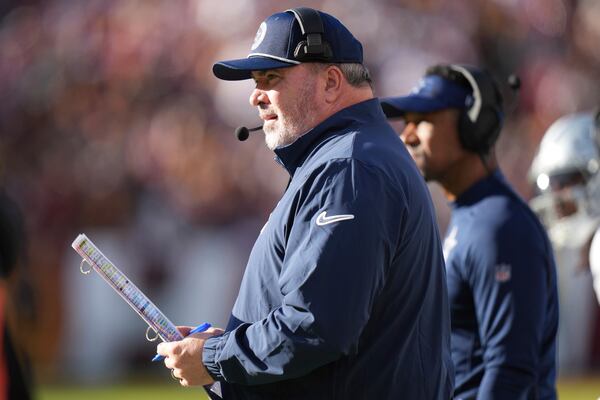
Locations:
(112, 124)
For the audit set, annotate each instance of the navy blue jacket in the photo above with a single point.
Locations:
(344, 293)
(503, 296)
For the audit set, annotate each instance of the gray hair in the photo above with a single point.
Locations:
(356, 74)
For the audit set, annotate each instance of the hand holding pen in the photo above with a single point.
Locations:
(185, 357)
(198, 329)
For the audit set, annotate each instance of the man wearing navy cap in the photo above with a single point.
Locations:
(344, 293)
(500, 268)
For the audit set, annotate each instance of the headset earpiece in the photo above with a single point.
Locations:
(480, 123)
(314, 48)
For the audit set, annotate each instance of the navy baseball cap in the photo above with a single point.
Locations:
(278, 38)
(433, 93)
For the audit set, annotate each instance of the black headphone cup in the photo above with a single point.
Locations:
(480, 135)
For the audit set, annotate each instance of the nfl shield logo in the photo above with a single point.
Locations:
(503, 272)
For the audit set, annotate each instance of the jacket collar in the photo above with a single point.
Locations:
(293, 155)
(480, 189)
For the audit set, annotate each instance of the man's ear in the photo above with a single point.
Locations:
(334, 80)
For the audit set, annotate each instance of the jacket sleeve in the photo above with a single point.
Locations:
(335, 259)
(509, 277)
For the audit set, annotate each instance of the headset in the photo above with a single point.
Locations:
(479, 125)
(314, 48)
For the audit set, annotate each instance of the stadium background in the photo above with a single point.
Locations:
(113, 125)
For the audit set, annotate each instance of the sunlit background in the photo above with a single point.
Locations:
(112, 125)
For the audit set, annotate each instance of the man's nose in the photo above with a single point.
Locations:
(258, 97)
(409, 135)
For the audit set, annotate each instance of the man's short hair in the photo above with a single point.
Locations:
(357, 75)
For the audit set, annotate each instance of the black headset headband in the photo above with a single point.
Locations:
(475, 108)
(314, 48)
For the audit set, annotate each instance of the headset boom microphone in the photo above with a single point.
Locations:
(242, 133)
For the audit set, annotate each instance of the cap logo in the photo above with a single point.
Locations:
(260, 35)
(503, 273)
(422, 84)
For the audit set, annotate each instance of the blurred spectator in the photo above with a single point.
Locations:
(15, 373)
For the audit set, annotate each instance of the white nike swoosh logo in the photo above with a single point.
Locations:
(323, 219)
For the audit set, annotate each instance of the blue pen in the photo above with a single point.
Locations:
(199, 328)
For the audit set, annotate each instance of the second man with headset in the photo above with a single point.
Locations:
(500, 268)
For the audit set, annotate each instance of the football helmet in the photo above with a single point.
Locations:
(565, 173)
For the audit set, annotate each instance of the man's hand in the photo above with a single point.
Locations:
(184, 358)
